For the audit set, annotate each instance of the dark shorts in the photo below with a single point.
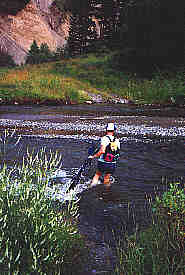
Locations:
(105, 167)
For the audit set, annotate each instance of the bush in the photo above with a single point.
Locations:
(6, 60)
(138, 60)
(161, 248)
(35, 237)
(133, 60)
(170, 210)
(59, 54)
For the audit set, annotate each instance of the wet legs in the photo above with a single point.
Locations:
(107, 180)
(96, 178)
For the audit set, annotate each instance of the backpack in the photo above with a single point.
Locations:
(112, 151)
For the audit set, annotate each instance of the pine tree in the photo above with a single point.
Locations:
(33, 56)
(107, 14)
(74, 6)
(59, 54)
(6, 60)
(82, 35)
(12, 6)
(45, 54)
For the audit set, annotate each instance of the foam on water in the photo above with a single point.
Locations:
(60, 190)
(56, 191)
(89, 127)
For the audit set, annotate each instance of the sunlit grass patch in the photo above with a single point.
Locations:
(41, 85)
(64, 79)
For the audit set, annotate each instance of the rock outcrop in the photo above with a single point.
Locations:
(40, 20)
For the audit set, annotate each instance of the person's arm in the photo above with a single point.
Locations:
(99, 153)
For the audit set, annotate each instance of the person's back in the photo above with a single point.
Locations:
(112, 149)
(107, 155)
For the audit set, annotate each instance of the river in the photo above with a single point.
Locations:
(152, 155)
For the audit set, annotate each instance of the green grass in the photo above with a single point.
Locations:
(35, 236)
(161, 248)
(72, 80)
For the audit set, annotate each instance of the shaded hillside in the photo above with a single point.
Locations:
(17, 52)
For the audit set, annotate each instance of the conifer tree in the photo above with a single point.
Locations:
(107, 12)
(82, 35)
(74, 6)
(33, 56)
(59, 54)
(45, 53)
(6, 60)
(12, 6)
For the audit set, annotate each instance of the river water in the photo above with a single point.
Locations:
(152, 155)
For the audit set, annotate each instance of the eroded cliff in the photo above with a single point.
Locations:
(40, 20)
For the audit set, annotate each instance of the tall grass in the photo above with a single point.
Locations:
(35, 237)
(161, 248)
(75, 78)
(8, 141)
(36, 83)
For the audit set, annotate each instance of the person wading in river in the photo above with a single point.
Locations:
(107, 156)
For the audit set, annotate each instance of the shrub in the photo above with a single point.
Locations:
(170, 210)
(6, 60)
(59, 54)
(161, 248)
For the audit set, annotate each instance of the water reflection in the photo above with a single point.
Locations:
(144, 170)
(146, 166)
(141, 170)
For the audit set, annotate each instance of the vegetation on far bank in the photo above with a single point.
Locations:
(72, 80)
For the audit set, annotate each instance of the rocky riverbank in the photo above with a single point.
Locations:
(65, 118)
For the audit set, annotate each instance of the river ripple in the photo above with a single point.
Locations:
(152, 155)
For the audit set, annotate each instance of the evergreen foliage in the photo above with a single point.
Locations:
(147, 32)
(12, 6)
(33, 56)
(59, 54)
(144, 32)
(6, 60)
(61, 4)
(107, 14)
(45, 53)
(73, 6)
(82, 35)
(150, 36)
(38, 55)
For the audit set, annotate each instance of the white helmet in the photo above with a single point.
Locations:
(110, 127)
